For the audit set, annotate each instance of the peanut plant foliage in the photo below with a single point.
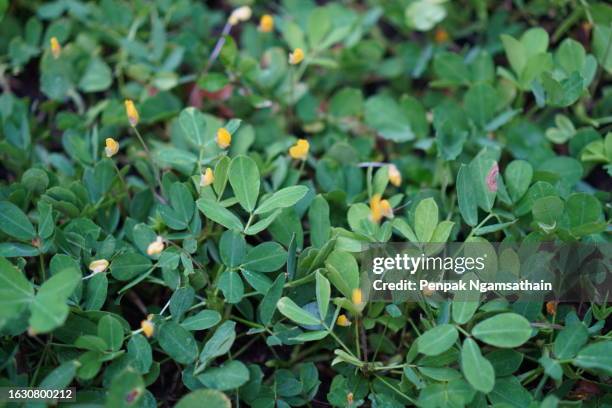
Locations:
(186, 189)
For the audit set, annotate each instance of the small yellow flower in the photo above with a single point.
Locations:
(131, 112)
(441, 36)
(343, 321)
(357, 296)
(224, 138)
(98, 266)
(156, 246)
(240, 14)
(148, 327)
(266, 23)
(207, 178)
(112, 147)
(350, 398)
(551, 307)
(56, 48)
(379, 208)
(296, 56)
(395, 176)
(299, 151)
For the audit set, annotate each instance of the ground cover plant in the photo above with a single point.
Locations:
(186, 188)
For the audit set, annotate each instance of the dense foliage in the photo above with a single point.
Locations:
(186, 189)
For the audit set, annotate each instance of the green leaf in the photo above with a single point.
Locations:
(601, 46)
(597, 356)
(437, 340)
(480, 103)
(295, 313)
(98, 76)
(570, 340)
(547, 210)
(181, 301)
(14, 223)
(232, 248)
(202, 320)
(111, 331)
(477, 369)
(343, 272)
(323, 292)
(230, 375)
(503, 330)
(466, 196)
(219, 214)
(284, 198)
(232, 287)
(96, 291)
(193, 123)
(388, 119)
(126, 389)
(15, 290)
(220, 342)
(585, 214)
(269, 301)
(518, 177)
(177, 342)
(128, 266)
(49, 309)
(182, 202)
(450, 68)
(212, 397)
(244, 179)
(484, 179)
(60, 377)
(265, 257)
(139, 351)
(426, 219)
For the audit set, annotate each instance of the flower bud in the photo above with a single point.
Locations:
(98, 266)
(131, 112)
(156, 246)
(224, 138)
(148, 327)
(394, 175)
(296, 56)
(56, 48)
(266, 23)
(299, 151)
(343, 321)
(112, 147)
(240, 14)
(207, 178)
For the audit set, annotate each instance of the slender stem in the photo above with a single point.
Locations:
(412, 401)
(150, 156)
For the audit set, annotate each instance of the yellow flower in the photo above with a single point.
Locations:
(379, 208)
(207, 178)
(98, 266)
(357, 296)
(224, 138)
(296, 56)
(266, 23)
(343, 321)
(441, 36)
(394, 175)
(156, 246)
(240, 14)
(131, 112)
(299, 151)
(148, 327)
(350, 398)
(112, 147)
(56, 48)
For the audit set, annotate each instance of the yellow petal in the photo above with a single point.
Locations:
(357, 296)
(112, 147)
(299, 151)
(98, 266)
(224, 138)
(156, 246)
(296, 56)
(207, 178)
(376, 212)
(394, 175)
(240, 14)
(131, 112)
(148, 327)
(266, 23)
(56, 48)
(343, 321)
(386, 209)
